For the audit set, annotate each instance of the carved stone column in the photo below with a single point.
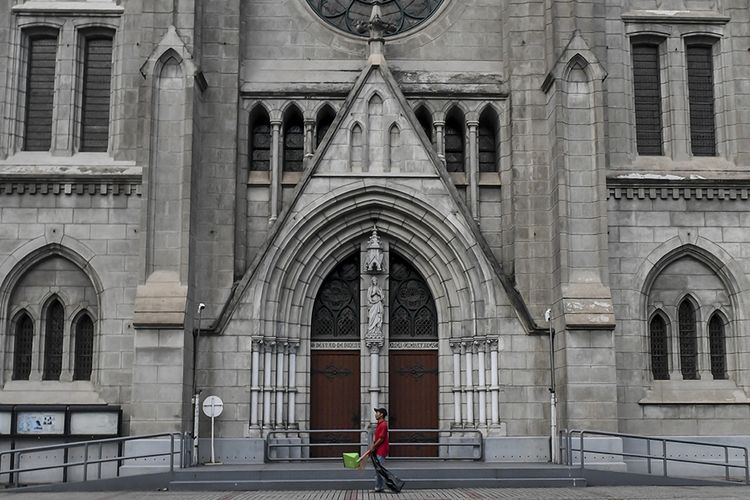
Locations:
(280, 354)
(256, 345)
(439, 141)
(493, 345)
(468, 347)
(268, 347)
(292, 347)
(373, 346)
(456, 349)
(473, 169)
(309, 148)
(480, 347)
(275, 170)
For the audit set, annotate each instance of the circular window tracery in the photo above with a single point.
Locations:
(349, 15)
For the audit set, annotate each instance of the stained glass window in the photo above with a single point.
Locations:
(53, 341)
(84, 348)
(349, 15)
(336, 309)
(718, 348)
(688, 341)
(413, 314)
(659, 350)
(23, 348)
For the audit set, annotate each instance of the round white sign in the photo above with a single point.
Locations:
(213, 406)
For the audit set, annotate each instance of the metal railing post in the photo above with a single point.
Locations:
(664, 455)
(99, 468)
(581, 452)
(86, 462)
(747, 469)
(171, 453)
(648, 452)
(726, 462)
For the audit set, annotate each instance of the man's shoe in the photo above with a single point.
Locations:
(376, 490)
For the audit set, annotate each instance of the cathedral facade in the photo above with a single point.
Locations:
(313, 208)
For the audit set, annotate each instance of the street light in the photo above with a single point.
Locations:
(196, 392)
(554, 450)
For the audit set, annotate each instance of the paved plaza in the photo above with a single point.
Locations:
(594, 493)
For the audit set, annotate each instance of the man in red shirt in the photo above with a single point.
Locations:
(379, 446)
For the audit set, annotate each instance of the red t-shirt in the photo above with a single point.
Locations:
(381, 431)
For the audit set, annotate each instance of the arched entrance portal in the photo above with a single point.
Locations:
(334, 371)
(413, 360)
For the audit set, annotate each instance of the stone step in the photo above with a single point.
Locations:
(362, 484)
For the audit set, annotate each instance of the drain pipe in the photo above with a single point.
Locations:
(196, 392)
(554, 449)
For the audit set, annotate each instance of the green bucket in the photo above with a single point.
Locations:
(351, 460)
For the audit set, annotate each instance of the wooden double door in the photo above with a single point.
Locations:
(335, 401)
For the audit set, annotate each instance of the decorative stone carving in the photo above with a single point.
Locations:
(375, 312)
(374, 262)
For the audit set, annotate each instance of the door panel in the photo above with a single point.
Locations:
(334, 400)
(413, 401)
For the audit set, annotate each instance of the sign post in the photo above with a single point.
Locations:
(212, 407)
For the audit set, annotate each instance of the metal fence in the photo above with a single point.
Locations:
(660, 455)
(93, 455)
(300, 443)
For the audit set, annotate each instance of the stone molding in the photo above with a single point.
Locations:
(642, 189)
(114, 186)
(334, 345)
(403, 346)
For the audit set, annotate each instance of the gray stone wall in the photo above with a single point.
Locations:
(708, 232)
(98, 231)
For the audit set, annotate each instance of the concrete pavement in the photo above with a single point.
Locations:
(593, 493)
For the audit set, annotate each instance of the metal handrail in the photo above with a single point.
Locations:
(648, 456)
(269, 446)
(15, 455)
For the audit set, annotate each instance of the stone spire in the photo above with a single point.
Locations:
(377, 27)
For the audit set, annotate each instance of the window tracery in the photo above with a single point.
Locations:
(349, 15)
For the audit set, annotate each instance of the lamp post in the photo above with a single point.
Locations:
(196, 392)
(554, 450)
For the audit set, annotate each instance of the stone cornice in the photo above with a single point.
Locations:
(70, 185)
(675, 189)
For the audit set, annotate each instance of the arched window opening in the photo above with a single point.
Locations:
(336, 309)
(455, 156)
(97, 76)
(22, 347)
(40, 90)
(356, 149)
(425, 120)
(647, 98)
(260, 141)
(324, 121)
(294, 141)
(84, 348)
(394, 149)
(489, 154)
(688, 341)
(413, 314)
(53, 341)
(717, 344)
(659, 348)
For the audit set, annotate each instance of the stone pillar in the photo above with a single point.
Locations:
(280, 354)
(292, 383)
(257, 343)
(494, 379)
(268, 347)
(481, 381)
(275, 170)
(374, 347)
(468, 347)
(439, 141)
(309, 147)
(473, 170)
(456, 348)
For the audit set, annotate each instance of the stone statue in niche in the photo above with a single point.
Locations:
(375, 313)
(374, 261)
